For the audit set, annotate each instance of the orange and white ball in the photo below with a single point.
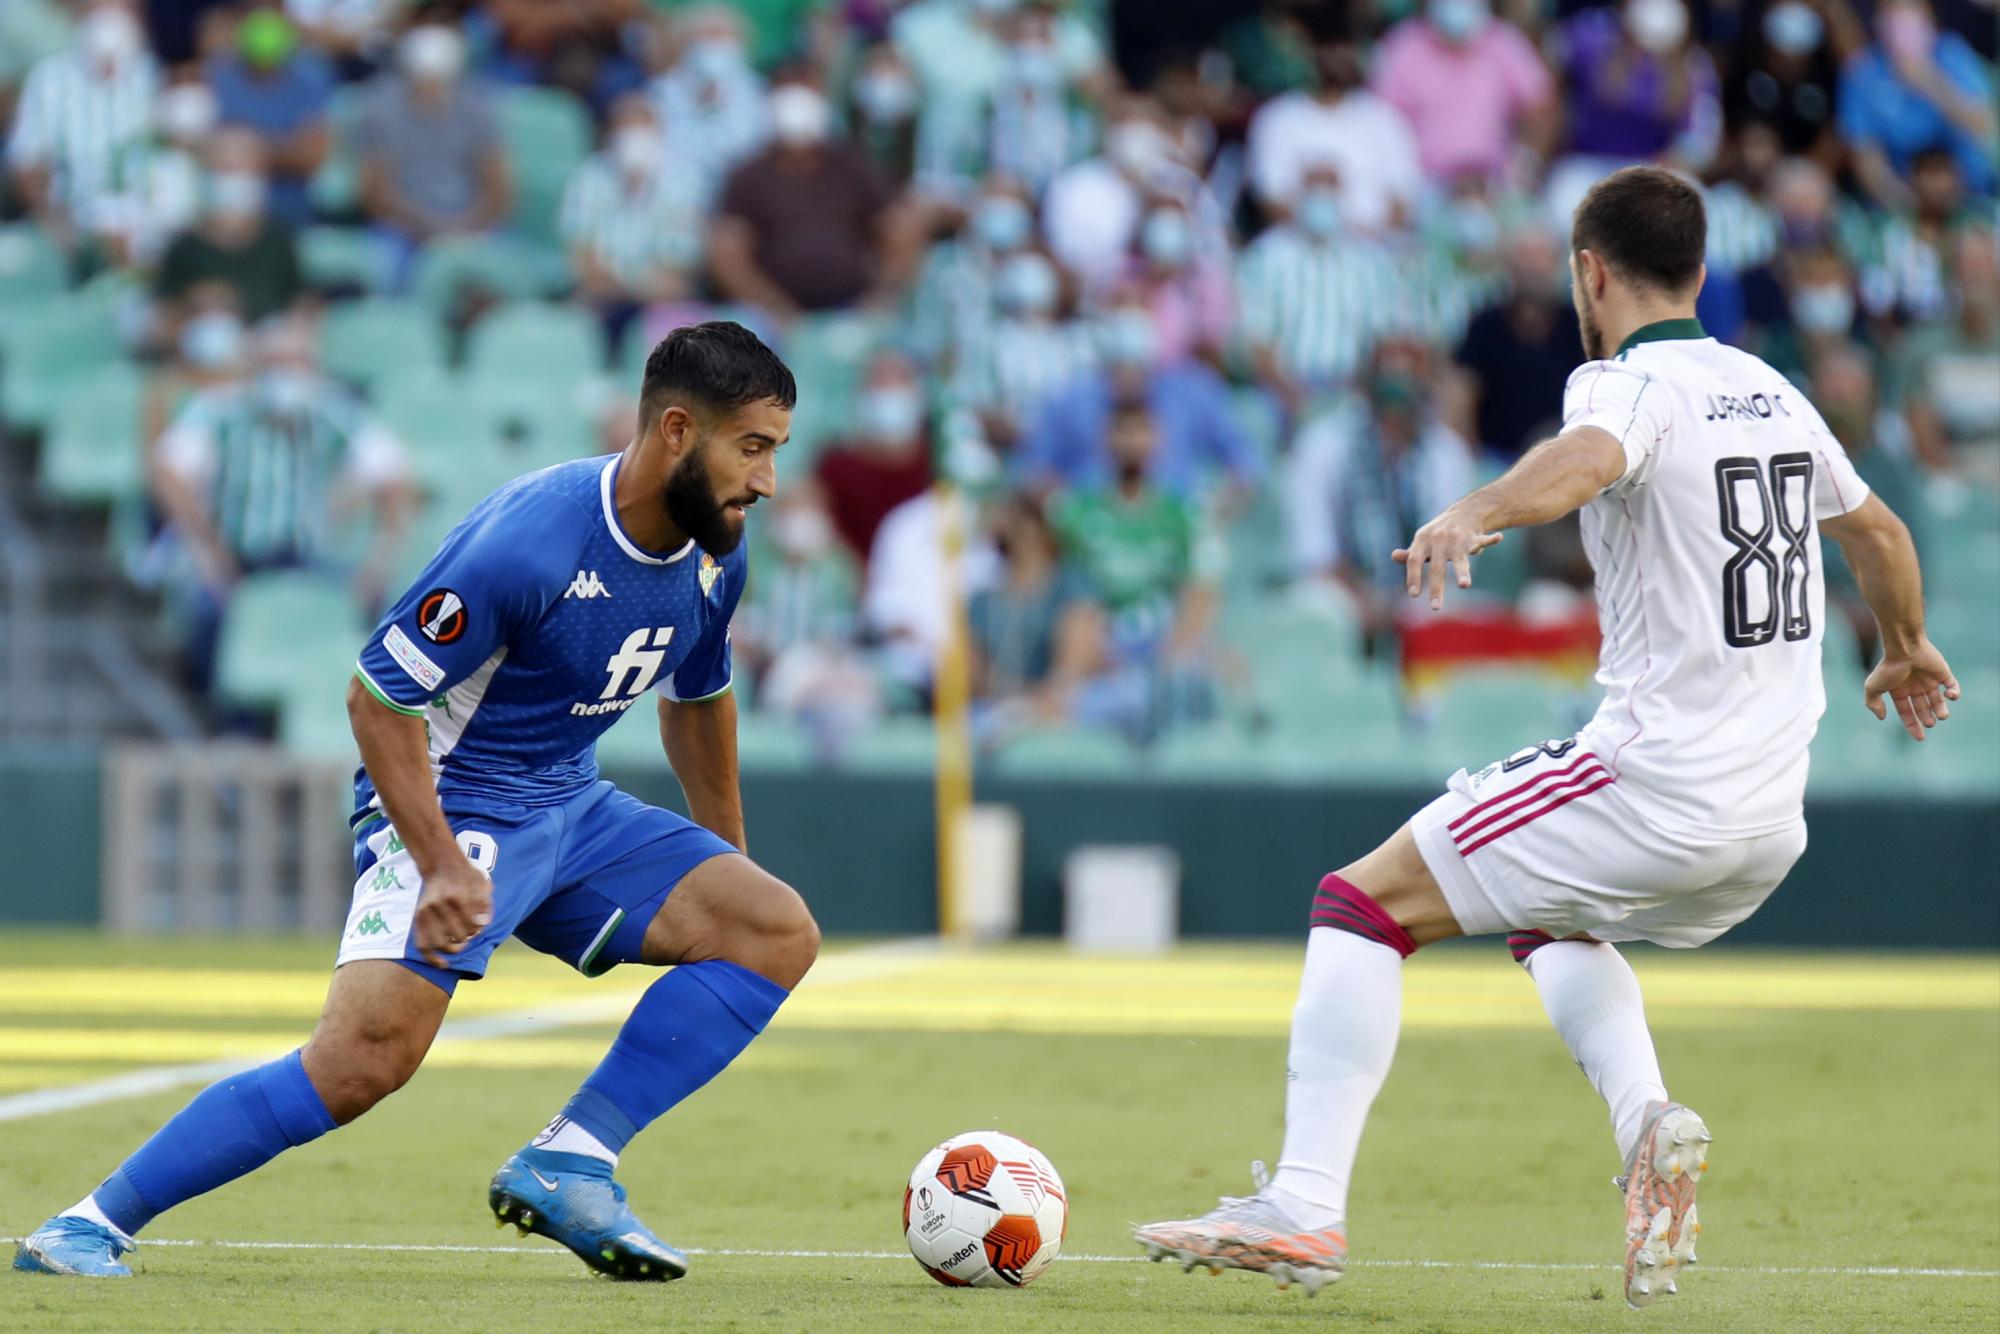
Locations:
(985, 1210)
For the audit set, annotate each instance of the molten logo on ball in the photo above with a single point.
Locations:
(992, 1211)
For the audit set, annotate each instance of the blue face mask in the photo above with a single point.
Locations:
(1319, 212)
(1793, 27)
(1028, 285)
(1002, 223)
(212, 341)
(1457, 20)
(1128, 338)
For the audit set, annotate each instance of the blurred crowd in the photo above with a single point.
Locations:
(1196, 300)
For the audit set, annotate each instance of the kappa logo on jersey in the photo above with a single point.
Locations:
(710, 572)
(631, 669)
(586, 585)
(441, 616)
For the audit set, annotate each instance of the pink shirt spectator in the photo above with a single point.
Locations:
(1462, 100)
(1191, 309)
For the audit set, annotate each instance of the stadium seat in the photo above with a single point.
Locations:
(336, 187)
(530, 424)
(536, 341)
(1486, 714)
(92, 452)
(1224, 752)
(1066, 752)
(826, 354)
(503, 266)
(312, 716)
(31, 267)
(366, 342)
(547, 133)
(336, 257)
(280, 626)
(896, 745)
(51, 347)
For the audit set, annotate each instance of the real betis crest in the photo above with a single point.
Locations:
(710, 572)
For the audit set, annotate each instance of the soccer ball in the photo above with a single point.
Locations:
(985, 1210)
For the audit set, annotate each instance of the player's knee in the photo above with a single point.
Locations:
(353, 1069)
(785, 940)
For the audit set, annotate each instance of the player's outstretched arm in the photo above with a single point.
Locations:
(700, 739)
(1912, 671)
(1550, 480)
(457, 898)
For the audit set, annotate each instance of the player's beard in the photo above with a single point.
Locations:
(1593, 337)
(692, 505)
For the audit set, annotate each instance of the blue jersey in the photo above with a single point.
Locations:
(536, 625)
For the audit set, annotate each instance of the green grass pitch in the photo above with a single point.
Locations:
(1856, 1178)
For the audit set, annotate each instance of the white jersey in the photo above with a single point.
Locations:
(1709, 588)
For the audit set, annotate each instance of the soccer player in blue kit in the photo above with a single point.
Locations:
(557, 604)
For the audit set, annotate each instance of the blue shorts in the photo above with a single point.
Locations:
(581, 881)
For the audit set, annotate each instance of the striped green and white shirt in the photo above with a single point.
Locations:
(271, 476)
(1021, 363)
(633, 228)
(1742, 231)
(79, 124)
(1319, 305)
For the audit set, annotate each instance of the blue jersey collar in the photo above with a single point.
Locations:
(607, 488)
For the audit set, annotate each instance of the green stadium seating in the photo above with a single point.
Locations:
(536, 342)
(341, 257)
(279, 625)
(31, 267)
(827, 354)
(509, 267)
(897, 745)
(1066, 752)
(1224, 752)
(547, 133)
(51, 348)
(336, 187)
(312, 717)
(369, 342)
(92, 452)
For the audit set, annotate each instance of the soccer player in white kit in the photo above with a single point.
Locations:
(1704, 479)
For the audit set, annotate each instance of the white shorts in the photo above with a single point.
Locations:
(1550, 840)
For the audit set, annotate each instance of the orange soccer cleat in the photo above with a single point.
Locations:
(1660, 1221)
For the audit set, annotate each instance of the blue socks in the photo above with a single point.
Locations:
(684, 1030)
(233, 1126)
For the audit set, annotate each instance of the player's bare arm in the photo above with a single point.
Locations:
(700, 741)
(1551, 480)
(457, 898)
(1912, 672)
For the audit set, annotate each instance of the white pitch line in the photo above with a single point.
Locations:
(858, 965)
(555, 1252)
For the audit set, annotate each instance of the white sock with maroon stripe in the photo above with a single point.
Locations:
(1343, 1039)
(1593, 1000)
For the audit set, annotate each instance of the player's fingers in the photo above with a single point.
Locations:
(1908, 714)
(1873, 699)
(1485, 540)
(1951, 687)
(1401, 555)
(1920, 704)
(1937, 698)
(1437, 580)
(1414, 574)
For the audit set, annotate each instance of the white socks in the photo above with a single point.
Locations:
(1343, 1039)
(87, 1208)
(1593, 1000)
(563, 1135)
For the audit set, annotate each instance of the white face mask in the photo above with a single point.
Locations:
(1794, 27)
(212, 340)
(287, 389)
(236, 194)
(1167, 238)
(1002, 223)
(1138, 147)
(890, 412)
(109, 35)
(886, 96)
(1319, 211)
(1129, 338)
(715, 58)
(1459, 20)
(1826, 308)
(185, 112)
(1660, 26)
(636, 149)
(1028, 284)
(801, 533)
(431, 53)
(799, 115)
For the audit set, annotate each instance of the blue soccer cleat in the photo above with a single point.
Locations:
(571, 1198)
(73, 1246)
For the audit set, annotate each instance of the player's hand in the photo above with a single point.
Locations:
(1921, 684)
(456, 905)
(1452, 538)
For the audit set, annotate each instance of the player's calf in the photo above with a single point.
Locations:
(377, 1025)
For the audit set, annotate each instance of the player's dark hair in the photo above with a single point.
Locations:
(1647, 224)
(716, 368)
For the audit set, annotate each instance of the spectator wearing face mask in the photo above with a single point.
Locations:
(1093, 208)
(882, 104)
(1145, 557)
(1366, 475)
(1472, 86)
(1310, 297)
(1035, 127)
(1905, 255)
(1518, 352)
(1035, 639)
(710, 98)
(1819, 310)
(258, 475)
(955, 302)
(1787, 69)
(1184, 285)
(1200, 445)
(432, 161)
(1639, 89)
(632, 224)
(279, 89)
(1341, 125)
(1949, 371)
(79, 110)
(885, 458)
(236, 244)
(1033, 348)
(160, 184)
(1916, 88)
(808, 224)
